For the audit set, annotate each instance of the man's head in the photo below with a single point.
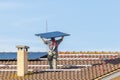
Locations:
(52, 38)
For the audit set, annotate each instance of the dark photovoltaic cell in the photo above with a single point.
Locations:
(52, 34)
(13, 55)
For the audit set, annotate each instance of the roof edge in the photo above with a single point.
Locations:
(108, 75)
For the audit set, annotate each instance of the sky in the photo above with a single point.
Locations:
(94, 25)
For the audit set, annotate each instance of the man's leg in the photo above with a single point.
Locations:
(55, 61)
(50, 64)
(50, 59)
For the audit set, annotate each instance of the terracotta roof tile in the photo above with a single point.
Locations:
(99, 67)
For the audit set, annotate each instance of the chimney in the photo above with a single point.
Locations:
(22, 60)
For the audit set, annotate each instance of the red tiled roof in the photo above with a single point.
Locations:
(103, 65)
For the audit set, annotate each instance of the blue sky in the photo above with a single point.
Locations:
(94, 25)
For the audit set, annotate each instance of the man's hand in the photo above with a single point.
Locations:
(40, 36)
(62, 37)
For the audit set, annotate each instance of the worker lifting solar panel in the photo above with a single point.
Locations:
(54, 34)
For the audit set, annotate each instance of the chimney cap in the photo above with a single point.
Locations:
(22, 46)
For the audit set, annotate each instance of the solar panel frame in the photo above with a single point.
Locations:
(54, 34)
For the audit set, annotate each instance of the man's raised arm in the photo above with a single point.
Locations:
(43, 40)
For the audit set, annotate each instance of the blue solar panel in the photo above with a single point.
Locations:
(7, 56)
(34, 56)
(13, 55)
(52, 34)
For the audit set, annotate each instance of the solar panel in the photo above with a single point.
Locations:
(52, 34)
(13, 55)
(33, 56)
(7, 56)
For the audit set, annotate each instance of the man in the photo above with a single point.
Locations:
(53, 51)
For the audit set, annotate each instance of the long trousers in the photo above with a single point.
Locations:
(53, 62)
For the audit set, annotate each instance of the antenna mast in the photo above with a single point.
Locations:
(46, 26)
(46, 32)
